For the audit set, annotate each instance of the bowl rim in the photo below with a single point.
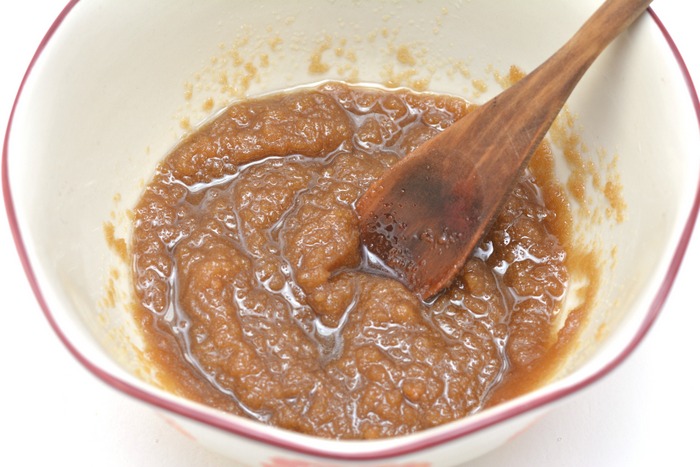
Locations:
(231, 425)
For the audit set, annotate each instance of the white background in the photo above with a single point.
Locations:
(52, 411)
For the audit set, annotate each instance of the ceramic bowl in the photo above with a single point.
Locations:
(116, 84)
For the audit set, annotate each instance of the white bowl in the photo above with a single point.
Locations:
(115, 83)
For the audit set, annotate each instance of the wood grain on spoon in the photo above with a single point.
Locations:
(427, 213)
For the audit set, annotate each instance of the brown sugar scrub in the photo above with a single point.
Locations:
(257, 298)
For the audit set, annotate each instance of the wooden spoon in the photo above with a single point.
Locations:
(426, 214)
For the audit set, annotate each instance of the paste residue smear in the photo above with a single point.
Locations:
(256, 296)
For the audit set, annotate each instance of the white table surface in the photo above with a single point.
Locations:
(52, 411)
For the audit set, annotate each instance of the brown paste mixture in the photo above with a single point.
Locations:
(256, 296)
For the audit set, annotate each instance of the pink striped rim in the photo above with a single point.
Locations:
(232, 426)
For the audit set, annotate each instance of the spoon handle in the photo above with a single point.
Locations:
(558, 76)
(528, 108)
